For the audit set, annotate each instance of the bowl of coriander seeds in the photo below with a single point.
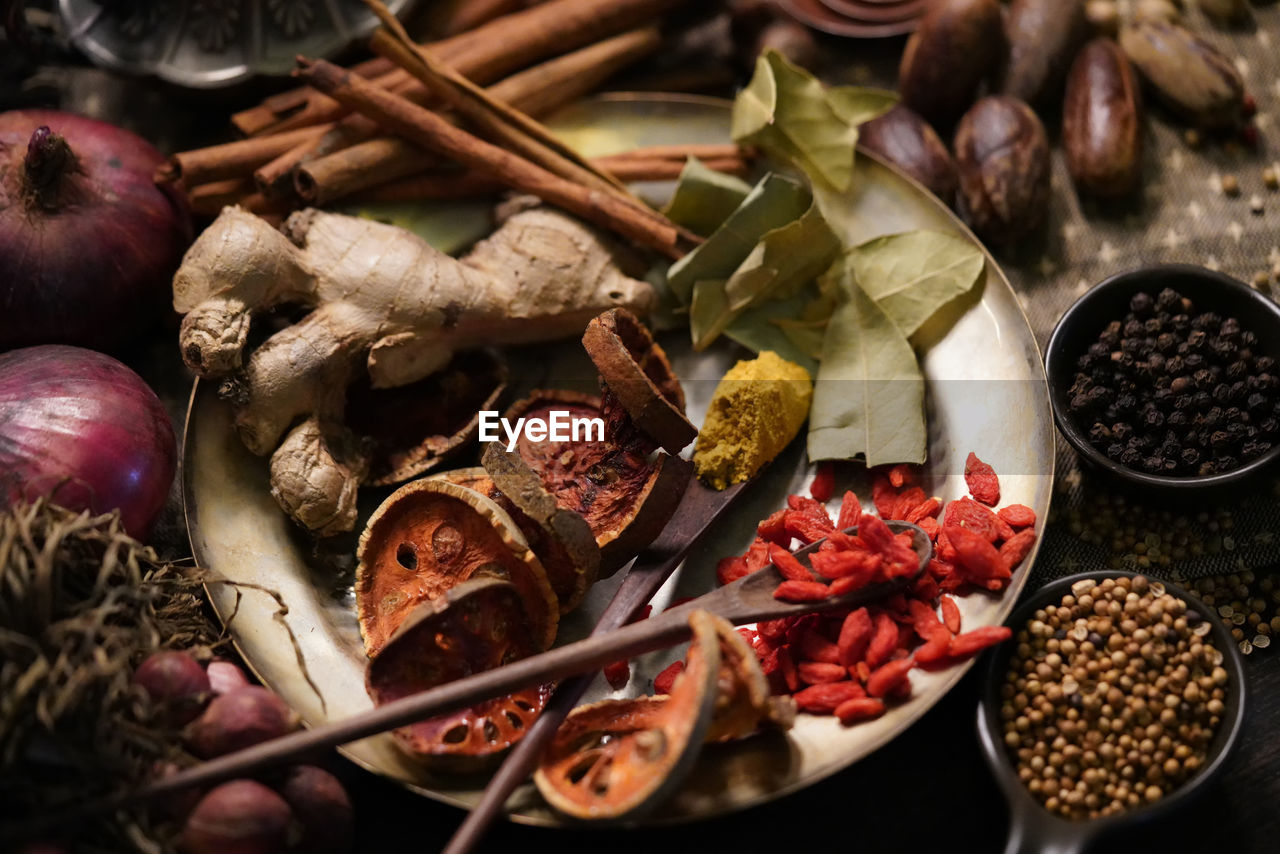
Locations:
(1119, 698)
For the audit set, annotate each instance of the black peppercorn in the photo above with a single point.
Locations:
(1141, 304)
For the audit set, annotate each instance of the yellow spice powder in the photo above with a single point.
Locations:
(757, 409)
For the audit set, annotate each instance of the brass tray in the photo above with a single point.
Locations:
(986, 392)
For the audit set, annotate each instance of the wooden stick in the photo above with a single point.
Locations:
(434, 133)
(484, 54)
(536, 91)
(232, 159)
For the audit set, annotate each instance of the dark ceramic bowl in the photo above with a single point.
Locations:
(1033, 828)
(1109, 300)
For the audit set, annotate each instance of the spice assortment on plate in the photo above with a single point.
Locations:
(398, 471)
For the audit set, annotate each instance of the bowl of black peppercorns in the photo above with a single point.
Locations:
(1166, 377)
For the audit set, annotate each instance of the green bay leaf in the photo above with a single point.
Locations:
(704, 198)
(913, 274)
(756, 330)
(868, 397)
(783, 261)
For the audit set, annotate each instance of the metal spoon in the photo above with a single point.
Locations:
(1035, 829)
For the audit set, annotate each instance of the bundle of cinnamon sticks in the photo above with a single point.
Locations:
(361, 133)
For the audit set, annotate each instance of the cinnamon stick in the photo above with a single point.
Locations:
(536, 91)
(434, 133)
(232, 159)
(665, 169)
(483, 55)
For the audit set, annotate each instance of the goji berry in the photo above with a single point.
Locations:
(806, 528)
(820, 672)
(838, 564)
(801, 591)
(847, 584)
(887, 677)
(850, 511)
(855, 636)
(930, 526)
(787, 564)
(859, 709)
(747, 634)
(925, 588)
(664, 681)
(884, 640)
(903, 474)
(924, 619)
(950, 614)
(824, 483)
(907, 501)
(965, 645)
(934, 650)
(1017, 515)
(970, 515)
(730, 569)
(774, 529)
(976, 558)
(860, 671)
(773, 631)
(618, 674)
(884, 495)
(788, 666)
(899, 559)
(1015, 550)
(810, 507)
(814, 647)
(926, 509)
(823, 699)
(981, 480)
(942, 547)
(757, 556)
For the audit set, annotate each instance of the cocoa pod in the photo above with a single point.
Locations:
(958, 44)
(1002, 159)
(1043, 36)
(1102, 121)
(1188, 73)
(908, 142)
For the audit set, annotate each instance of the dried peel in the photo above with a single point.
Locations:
(431, 535)
(626, 498)
(619, 758)
(635, 369)
(477, 625)
(743, 699)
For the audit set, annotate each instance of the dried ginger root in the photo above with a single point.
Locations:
(381, 299)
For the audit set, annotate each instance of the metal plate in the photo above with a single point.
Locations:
(210, 43)
(986, 393)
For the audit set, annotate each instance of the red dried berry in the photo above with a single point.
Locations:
(904, 474)
(774, 529)
(859, 709)
(821, 673)
(730, 569)
(810, 507)
(884, 640)
(924, 619)
(934, 651)
(824, 483)
(855, 636)
(788, 565)
(887, 677)
(927, 509)
(801, 591)
(981, 480)
(814, 647)
(908, 500)
(971, 642)
(972, 516)
(1017, 516)
(837, 564)
(850, 511)
(617, 674)
(977, 559)
(823, 699)
(950, 614)
(806, 528)
(884, 495)
(664, 681)
(1014, 551)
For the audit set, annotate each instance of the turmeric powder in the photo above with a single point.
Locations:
(758, 408)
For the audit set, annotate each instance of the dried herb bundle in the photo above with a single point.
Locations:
(81, 604)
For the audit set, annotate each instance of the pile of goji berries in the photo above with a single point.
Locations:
(849, 664)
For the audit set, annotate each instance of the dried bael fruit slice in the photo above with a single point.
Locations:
(625, 497)
(618, 758)
(414, 428)
(431, 535)
(743, 698)
(559, 536)
(477, 625)
(635, 369)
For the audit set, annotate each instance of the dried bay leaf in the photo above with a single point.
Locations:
(784, 260)
(704, 198)
(757, 329)
(868, 397)
(913, 274)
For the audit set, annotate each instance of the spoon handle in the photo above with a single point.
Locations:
(1040, 833)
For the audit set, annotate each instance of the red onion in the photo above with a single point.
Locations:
(240, 719)
(86, 431)
(176, 683)
(88, 242)
(225, 676)
(240, 817)
(322, 808)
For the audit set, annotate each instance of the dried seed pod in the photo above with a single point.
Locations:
(906, 140)
(958, 43)
(1102, 121)
(1043, 36)
(1002, 156)
(1188, 73)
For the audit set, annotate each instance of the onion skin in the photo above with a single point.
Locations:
(239, 719)
(176, 684)
(88, 257)
(240, 817)
(85, 430)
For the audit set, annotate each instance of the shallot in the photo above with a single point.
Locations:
(176, 683)
(240, 719)
(239, 817)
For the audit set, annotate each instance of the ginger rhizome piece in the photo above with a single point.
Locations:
(381, 300)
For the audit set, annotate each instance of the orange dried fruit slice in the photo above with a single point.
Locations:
(626, 497)
(619, 758)
(477, 625)
(413, 428)
(431, 535)
(635, 369)
(743, 699)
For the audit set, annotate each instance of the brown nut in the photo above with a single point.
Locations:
(1102, 121)
(959, 42)
(1002, 157)
(1043, 36)
(1188, 73)
(907, 141)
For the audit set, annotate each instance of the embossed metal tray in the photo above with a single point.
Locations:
(985, 392)
(210, 43)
